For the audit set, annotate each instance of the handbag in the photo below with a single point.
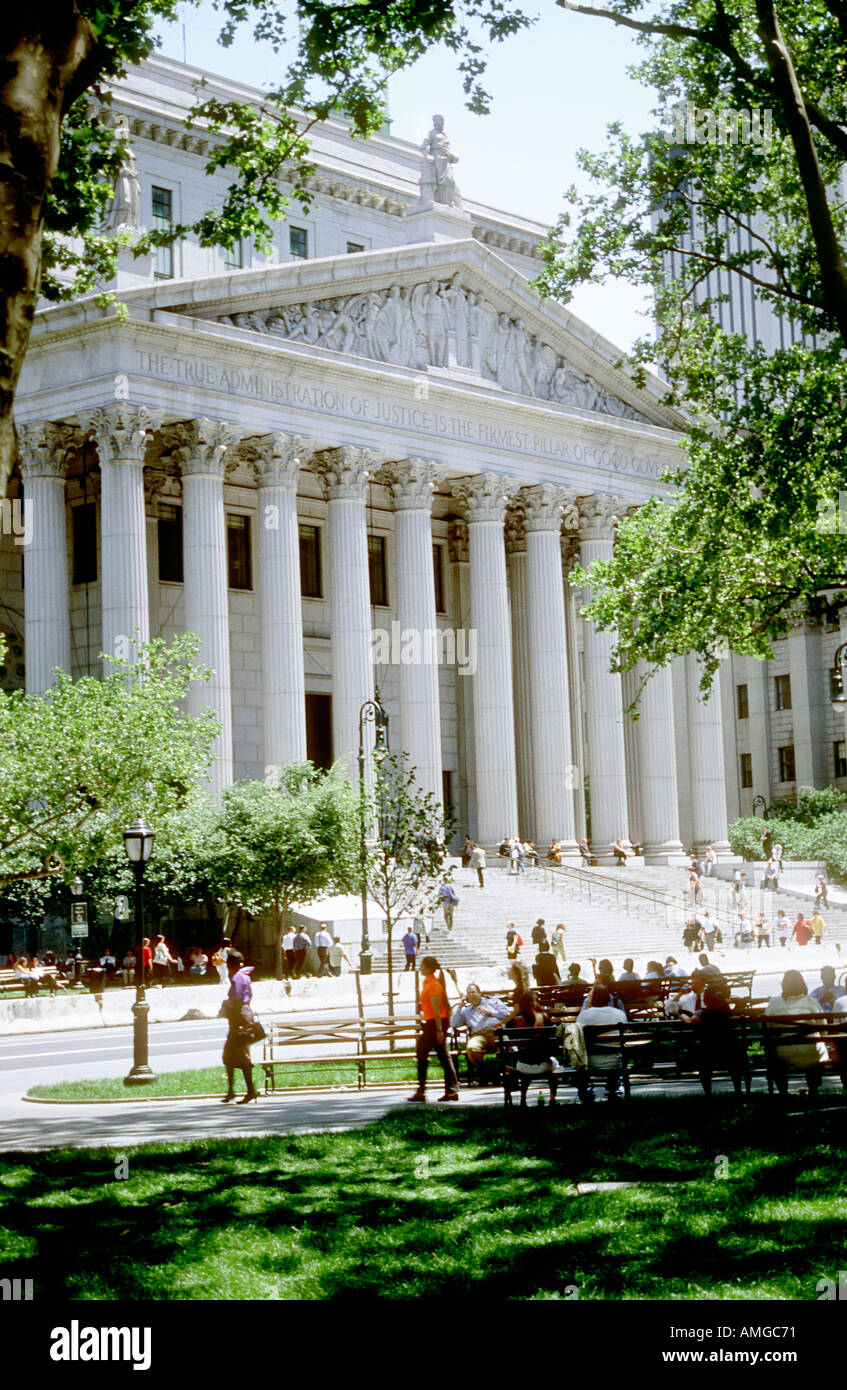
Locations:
(254, 1032)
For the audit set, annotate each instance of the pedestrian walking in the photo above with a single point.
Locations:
(239, 1015)
(801, 931)
(302, 946)
(821, 896)
(478, 863)
(410, 947)
(323, 945)
(513, 942)
(816, 923)
(467, 850)
(336, 955)
(435, 1014)
(710, 859)
(559, 942)
(162, 961)
(449, 899)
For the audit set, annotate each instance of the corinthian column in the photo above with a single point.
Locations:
(553, 774)
(121, 433)
(202, 448)
(278, 461)
(705, 745)
(484, 498)
(43, 458)
(345, 473)
(412, 483)
(522, 685)
(657, 785)
(457, 539)
(604, 697)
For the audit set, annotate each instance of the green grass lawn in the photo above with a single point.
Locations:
(468, 1203)
(212, 1080)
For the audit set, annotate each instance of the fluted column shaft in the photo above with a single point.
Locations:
(345, 474)
(202, 459)
(516, 552)
(460, 558)
(121, 434)
(494, 719)
(705, 748)
(657, 782)
(43, 452)
(604, 696)
(412, 484)
(553, 772)
(278, 463)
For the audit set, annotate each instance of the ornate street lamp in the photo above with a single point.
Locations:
(759, 801)
(371, 712)
(838, 695)
(138, 844)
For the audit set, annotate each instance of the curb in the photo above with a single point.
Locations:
(216, 1095)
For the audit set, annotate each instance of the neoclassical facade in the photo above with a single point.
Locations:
(368, 469)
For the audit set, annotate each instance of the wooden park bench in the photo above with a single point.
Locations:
(517, 1047)
(10, 979)
(350, 1041)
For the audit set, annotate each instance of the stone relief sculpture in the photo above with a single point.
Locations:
(437, 183)
(438, 324)
(122, 215)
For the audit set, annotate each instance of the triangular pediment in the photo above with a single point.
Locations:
(453, 309)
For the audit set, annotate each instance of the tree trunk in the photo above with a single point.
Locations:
(280, 932)
(830, 259)
(50, 57)
(390, 985)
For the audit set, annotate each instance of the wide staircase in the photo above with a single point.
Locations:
(607, 911)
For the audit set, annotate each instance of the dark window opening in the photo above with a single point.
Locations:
(311, 583)
(438, 566)
(238, 551)
(378, 571)
(353, 247)
(170, 544)
(319, 729)
(839, 753)
(786, 763)
(742, 701)
(298, 243)
(84, 529)
(782, 686)
(163, 267)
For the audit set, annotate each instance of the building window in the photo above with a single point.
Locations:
(170, 544)
(84, 527)
(298, 243)
(782, 686)
(438, 566)
(786, 763)
(746, 769)
(310, 561)
(742, 703)
(234, 256)
(447, 795)
(162, 222)
(839, 753)
(353, 247)
(378, 571)
(238, 550)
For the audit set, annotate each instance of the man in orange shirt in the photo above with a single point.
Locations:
(435, 1012)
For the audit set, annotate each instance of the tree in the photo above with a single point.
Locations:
(405, 864)
(60, 157)
(751, 536)
(288, 839)
(79, 762)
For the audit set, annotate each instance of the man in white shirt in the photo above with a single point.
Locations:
(288, 952)
(781, 928)
(804, 1056)
(674, 971)
(336, 956)
(481, 1016)
(323, 944)
(478, 863)
(601, 1014)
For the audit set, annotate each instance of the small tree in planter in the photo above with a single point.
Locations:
(406, 863)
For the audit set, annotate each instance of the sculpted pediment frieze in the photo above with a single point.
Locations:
(438, 324)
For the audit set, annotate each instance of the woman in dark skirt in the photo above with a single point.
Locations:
(236, 1009)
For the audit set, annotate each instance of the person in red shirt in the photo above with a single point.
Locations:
(435, 1013)
(801, 931)
(146, 960)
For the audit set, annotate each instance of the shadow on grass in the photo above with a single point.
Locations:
(728, 1200)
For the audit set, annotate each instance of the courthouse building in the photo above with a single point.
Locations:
(368, 461)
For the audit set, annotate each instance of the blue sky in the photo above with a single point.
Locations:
(555, 88)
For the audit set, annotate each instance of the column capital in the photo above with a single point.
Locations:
(277, 459)
(598, 516)
(121, 431)
(516, 529)
(483, 496)
(201, 447)
(544, 506)
(457, 541)
(346, 472)
(412, 483)
(43, 449)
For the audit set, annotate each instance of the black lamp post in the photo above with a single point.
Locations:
(371, 712)
(838, 695)
(138, 843)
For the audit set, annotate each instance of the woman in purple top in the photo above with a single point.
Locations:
(236, 1055)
